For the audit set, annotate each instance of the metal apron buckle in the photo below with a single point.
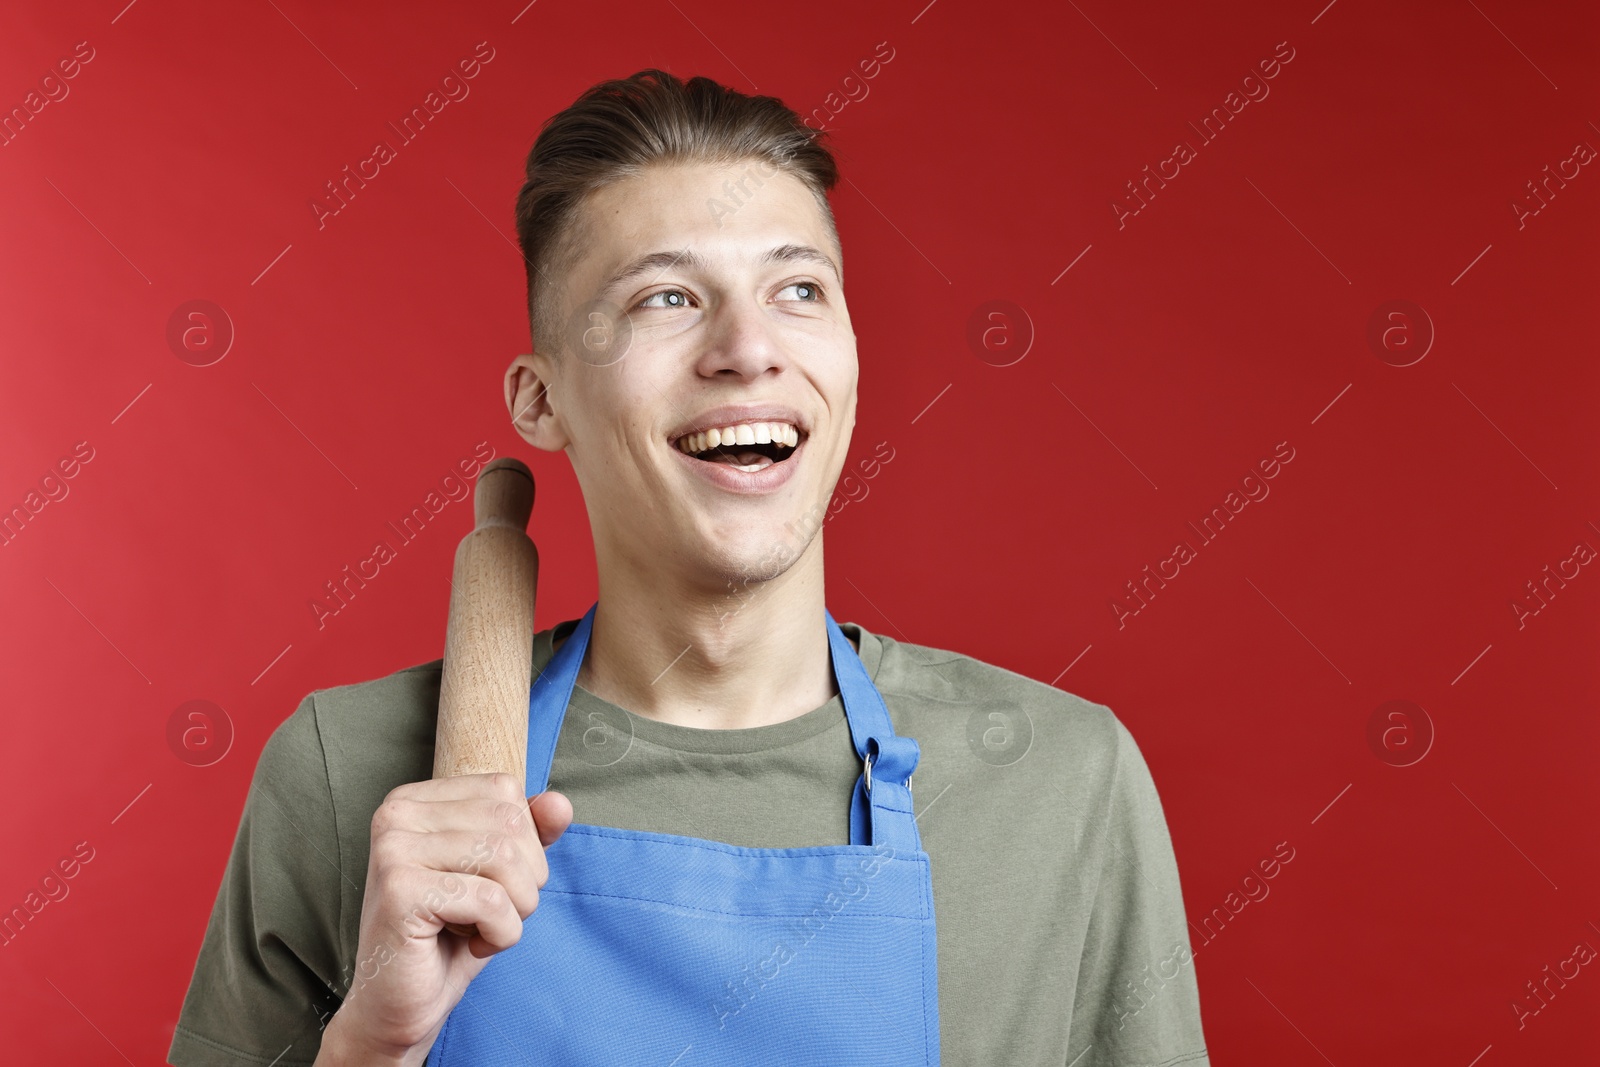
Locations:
(867, 764)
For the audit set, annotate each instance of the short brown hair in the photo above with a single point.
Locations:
(616, 129)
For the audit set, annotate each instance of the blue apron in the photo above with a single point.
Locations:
(655, 949)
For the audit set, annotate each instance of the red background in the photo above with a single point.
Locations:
(1228, 315)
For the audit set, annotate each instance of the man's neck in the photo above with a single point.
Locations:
(751, 656)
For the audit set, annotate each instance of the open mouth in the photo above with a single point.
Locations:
(746, 447)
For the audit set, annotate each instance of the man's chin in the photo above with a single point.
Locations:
(756, 556)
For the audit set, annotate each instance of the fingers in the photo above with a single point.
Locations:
(439, 897)
(552, 811)
(475, 801)
(517, 864)
(479, 826)
(480, 813)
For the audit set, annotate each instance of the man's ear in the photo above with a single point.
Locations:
(528, 401)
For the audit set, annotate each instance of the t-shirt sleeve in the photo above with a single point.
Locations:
(1137, 994)
(263, 983)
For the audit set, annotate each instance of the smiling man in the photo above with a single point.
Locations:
(717, 855)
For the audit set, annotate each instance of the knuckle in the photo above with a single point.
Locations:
(510, 815)
(491, 895)
(504, 848)
(390, 815)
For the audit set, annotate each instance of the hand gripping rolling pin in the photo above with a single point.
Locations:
(488, 645)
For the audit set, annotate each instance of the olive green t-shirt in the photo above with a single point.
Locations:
(1061, 934)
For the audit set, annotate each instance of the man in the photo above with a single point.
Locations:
(713, 732)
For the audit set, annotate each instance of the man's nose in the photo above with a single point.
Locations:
(740, 340)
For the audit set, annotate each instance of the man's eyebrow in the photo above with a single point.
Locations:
(661, 262)
(802, 254)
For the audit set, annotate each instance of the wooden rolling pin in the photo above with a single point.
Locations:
(488, 645)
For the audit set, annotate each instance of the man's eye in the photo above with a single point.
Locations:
(806, 293)
(674, 298)
(811, 293)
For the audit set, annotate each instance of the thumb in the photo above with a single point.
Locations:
(552, 814)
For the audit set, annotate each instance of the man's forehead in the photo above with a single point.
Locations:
(668, 211)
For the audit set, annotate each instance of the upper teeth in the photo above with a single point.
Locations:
(743, 433)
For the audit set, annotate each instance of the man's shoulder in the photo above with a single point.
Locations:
(940, 688)
(400, 696)
(374, 734)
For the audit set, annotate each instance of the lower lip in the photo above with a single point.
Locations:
(734, 480)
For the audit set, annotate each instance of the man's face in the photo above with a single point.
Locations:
(741, 308)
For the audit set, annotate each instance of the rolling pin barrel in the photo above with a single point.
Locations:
(488, 650)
